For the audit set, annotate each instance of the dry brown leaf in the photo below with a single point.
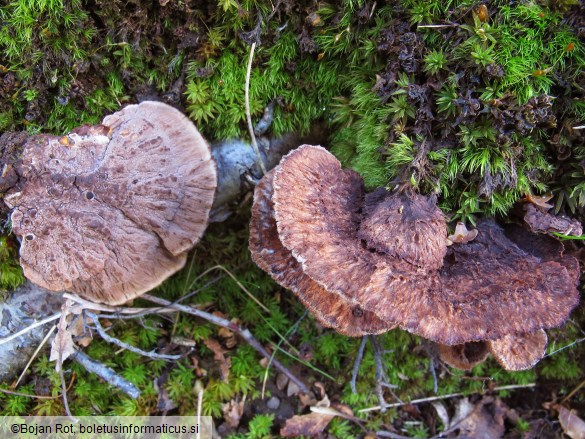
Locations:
(228, 337)
(573, 426)
(540, 201)
(62, 346)
(164, 402)
(483, 420)
(307, 399)
(461, 235)
(305, 425)
(233, 411)
(313, 423)
(219, 355)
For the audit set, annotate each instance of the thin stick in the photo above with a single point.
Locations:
(12, 392)
(575, 390)
(357, 363)
(289, 334)
(248, 114)
(64, 389)
(199, 406)
(35, 353)
(434, 374)
(451, 395)
(127, 346)
(30, 328)
(242, 332)
(434, 26)
(565, 347)
(107, 374)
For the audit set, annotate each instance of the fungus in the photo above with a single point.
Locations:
(109, 211)
(268, 253)
(387, 254)
(464, 356)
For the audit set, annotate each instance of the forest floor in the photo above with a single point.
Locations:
(481, 110)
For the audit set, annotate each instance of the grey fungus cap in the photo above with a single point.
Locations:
(385, 253)
(109, 211)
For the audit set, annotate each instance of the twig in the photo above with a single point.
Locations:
(60, 345)
(380, 373)
(55, 316)
(575, 390)
(356, 364)
(64, 390)
(391, 435)
(124, 345)
(248, 114)
(565, 347)
(12, 392)
(107, 374)
(448, 396)
(434, 374)
(435, 26)
(35, 353)
(199, 406)
(580, 127)
(290, 333)
(242, 332)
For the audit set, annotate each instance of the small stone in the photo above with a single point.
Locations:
(281, 381)
(273, 403)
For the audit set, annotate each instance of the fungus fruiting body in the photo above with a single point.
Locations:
(386, 254)
(109, 211)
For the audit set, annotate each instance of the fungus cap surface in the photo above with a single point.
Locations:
(109, 211)
(519, 352)
(330, 309)
(485, 290)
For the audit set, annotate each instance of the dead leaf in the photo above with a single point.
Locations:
(305, 425)
(233, 411)
(461, 235)
(319, 386)
(164, 402)
(482, 420)
(540, 201)
(219, 355)
(228, 337)
(313, 423)
(307, 399)
(442, 413)
(62, 346)
(543, 222)
(573, 426)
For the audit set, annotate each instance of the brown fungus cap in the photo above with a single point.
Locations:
(406, 226)
(519, 352)
(330, 309)
(109, 211)
(485, 290)
(464, 356)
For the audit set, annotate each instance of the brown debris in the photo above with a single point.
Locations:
(385, 253)
(109, 211)
(219, 355)
(573, 425)
(540, 221)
